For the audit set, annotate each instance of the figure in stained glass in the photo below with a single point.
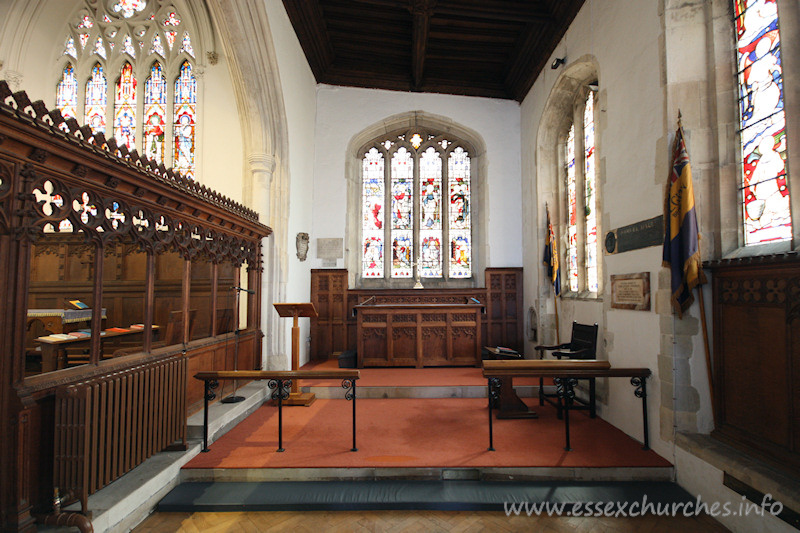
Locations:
(184, 123)
(96, 99)
(125, 108)
(67, 95)
(155, 103)
(459, 256)
(372, 266)
(401, 254)
(431, 257)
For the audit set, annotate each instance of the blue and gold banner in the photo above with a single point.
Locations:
(681, 237)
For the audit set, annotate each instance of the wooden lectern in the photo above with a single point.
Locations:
(296, 311)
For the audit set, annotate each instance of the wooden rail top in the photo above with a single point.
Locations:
(558, 369)
(344, 373)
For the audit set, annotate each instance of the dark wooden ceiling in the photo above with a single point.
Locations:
(493, 48)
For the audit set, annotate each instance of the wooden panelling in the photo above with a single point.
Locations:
(329, 329)
(504, 318)
(757, 355)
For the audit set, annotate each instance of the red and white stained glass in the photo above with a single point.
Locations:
(96, 100)
(459, 219)
(590, 198)
(372, 196)
(430, 201)
(185, 121)
(67, 95)
(170, 35)
(100, 47)
(125, 108)
(155, 114)
(172, 19)
(85, 22)
(764, 189)
(572, 213)
(84, 39)
(402, 180)
(129, 8)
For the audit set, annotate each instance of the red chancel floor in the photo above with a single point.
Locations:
(442, 432)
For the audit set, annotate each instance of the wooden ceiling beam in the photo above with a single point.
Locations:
(421, 10)
(526, 12)
(309, 24)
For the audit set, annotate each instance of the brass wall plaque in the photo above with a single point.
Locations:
(631, 291)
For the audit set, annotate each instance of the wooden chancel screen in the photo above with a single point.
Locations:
(117, 284)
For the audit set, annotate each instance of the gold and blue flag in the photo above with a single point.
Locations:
(551, 257)
(681, 237)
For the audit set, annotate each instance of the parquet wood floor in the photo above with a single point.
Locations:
(413, 522)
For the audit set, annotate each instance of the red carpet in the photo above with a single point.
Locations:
(449, 432)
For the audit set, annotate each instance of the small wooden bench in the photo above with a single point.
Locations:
(280, 382)
(565, 375)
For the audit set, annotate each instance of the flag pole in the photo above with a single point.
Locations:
(555, 304)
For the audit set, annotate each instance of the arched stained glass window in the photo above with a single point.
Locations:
(154, 43)
(96, 99)
(414, 183)
(67, 94)
(572, 213)
(580, 197)
(589, 197)
(155, 114)
(430, 233)
(762, 121)
(460, 221)
(125, 108)
(372, 214)
(185, 120)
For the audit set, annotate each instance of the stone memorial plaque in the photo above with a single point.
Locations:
(330, 248)
(631, 291)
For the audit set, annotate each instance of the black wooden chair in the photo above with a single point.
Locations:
(582, 345)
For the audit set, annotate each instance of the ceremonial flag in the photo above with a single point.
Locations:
(681, 238)
(551, 257)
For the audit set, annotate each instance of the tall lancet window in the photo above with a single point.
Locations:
(589, 196)
(155, 114)
(429, 221)
(125, 108)
(581, 207)
(764, 190)
(572, 213)
(152, 41)
(96, 99)
(67, 94)
(185, 119)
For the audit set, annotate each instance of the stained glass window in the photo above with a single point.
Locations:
(127, 46)
(436, 243)
(148, 129)
(589, 197)
(129, 8)
(572, 213)
(184, 121)
(125, 108)
(372, 214)
(186, 45)
(155, 114)
(402, 213)
(460, 220)
(96, 99)
(69, 48)
(764, 188)
(67, 94)
(430, 201)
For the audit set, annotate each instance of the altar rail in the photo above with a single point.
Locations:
(280, 382)
(565, 375)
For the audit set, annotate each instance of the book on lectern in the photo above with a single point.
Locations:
(77, 304)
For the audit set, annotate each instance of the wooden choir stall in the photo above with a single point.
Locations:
(87, 223)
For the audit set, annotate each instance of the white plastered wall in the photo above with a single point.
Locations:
(299, 99)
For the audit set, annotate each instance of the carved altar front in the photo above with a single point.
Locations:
(419, 334)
